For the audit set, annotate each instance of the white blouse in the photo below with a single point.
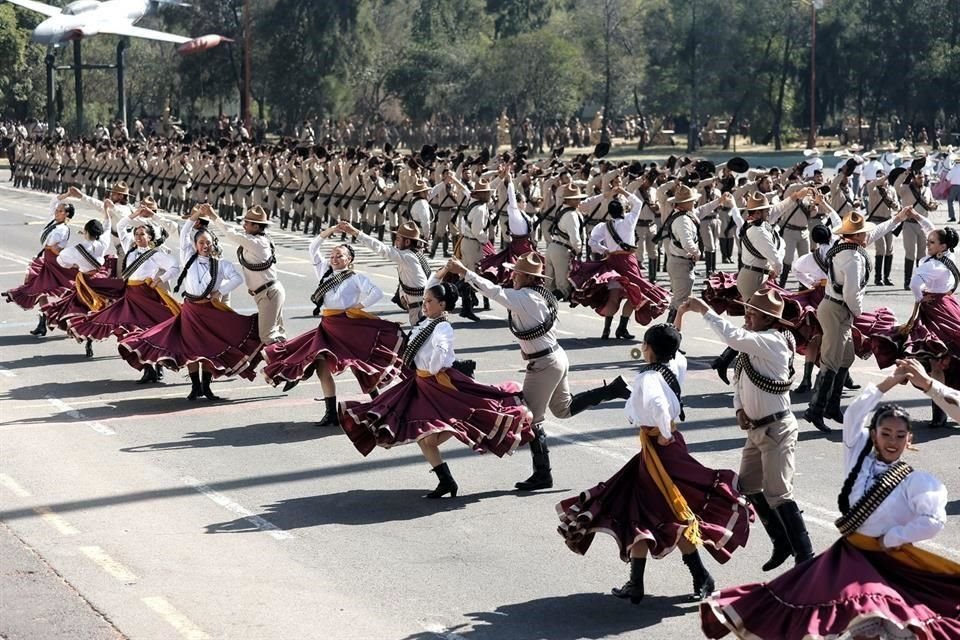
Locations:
(437, 354)
(59, 236)
(356, 291)
(198, 276)
(652, 402)
(915, 510)
(931, 276)
(601, 241)
(160, 262)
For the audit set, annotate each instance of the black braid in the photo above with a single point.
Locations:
(843, 500)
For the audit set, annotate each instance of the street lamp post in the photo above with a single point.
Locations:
(246, 97)
(812, 136)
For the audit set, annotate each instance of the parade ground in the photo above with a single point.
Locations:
(128, 512)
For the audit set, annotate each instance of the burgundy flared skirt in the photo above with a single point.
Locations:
(369, 347)
(842, 587)
(59, 311)
(45, 277)
(487, 418)
(591, 280)
(227, 343)
(491, 267)
(935, 335)
(630, 507)
(140, 307)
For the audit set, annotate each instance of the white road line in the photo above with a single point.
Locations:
(56, 521)
(7, 373)
(291, 273)
(237, 509)
(174, 618)
(99, 427)
(103, 560)
(11, 273)
(12, 257)
(13, 486)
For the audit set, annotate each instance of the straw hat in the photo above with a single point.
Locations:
(256, 214)
(421, 187)
(757, 201)
(854, 223)
(684, 194)
(121, 188)
(810, 153)
(570, 192)
(409, 230)
(530, 263)
(768, 302)
(149, 203)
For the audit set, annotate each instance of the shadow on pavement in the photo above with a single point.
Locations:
(247, 436)
(579, 615)
(26, 338)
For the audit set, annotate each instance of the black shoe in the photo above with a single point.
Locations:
(205, 388)
(541, 479)
(796, 530)
(834, 410)
(447, 483)
(607, 323)
(818, 404)
(622, 333)
(774, 527)
(806, 384)
(703, 584)
(290, 384)
(88, 349)
(330, 418)
(617, 389)
(633, 588)
(938, 419)
(722, 362)
(148, 375)
(41, 329)
(195, 390)
(469, 315)
(848, 383)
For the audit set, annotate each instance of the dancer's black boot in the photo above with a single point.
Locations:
(195, 390)
(887, 266)
(774, 527)
(447, 483)
(541, 478)
(616, 389)
(703, 584)
(41, 329)
(205, 380)
(633, 589)
(607, 323)
(330, 418)
(622, 333)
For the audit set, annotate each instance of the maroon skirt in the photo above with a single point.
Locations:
(484, 417)
(935, 335)
(491, 267)
(139, 307)
(45, 277)
(71, 305)
(369, 347)
(590, 282)
(722, 295)
(630, 507)
(225, 342)
(826, 596)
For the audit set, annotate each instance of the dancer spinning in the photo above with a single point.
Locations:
(434, 401)
(614, 279)
(873, 582)
(521, 227)
(347, 337)
(662, 498)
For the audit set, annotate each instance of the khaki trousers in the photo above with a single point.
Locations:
(749, 282)
(681, 279)
(883, 246)
(414, 310)
(796, 243)
(836, 347)
(767, 461)
(558, 267)
(710, 233)
(645, 245)
(914, 241)
(270, 313)
(470, 252)
(545, 385)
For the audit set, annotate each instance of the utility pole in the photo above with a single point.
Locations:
(78, 85)
(692, 135)
(812, 137)
(245, 98)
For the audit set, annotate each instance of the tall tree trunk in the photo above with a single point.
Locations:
(778, 110)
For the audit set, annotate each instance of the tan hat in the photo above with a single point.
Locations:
(854, 223)
(256, 214)
(757, 201)
(529, 263)
(121, 188)
(420, 187)
(409, 230)
(769, 302)
(482, 186)
(570, 192)
(149, 203)
(684, 194)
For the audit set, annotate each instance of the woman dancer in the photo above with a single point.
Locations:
(207, 337)
(347, 337)
(606, 283)
(521, 228)
(662, 498)
(873, 582)
(145, 270)
(434, 401)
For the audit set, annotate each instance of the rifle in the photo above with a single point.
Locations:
(326, 202)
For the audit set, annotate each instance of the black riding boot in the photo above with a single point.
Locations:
(541, 478)
(467, 301)
(806, 383)
(774, 527)
(878, 270)
(784, 274)
(88, 348)
(833, 410)
(887, 266)
(703, 584)
(671, 316)
(41, 329)
(205, 380)
(149, 375)
(938, 418)
(622, 333)
(652, 269)
(907, 273)
(195, 390)
(818, 404)
(607, 323)
(433, 247)
(447, 483)
(633, 589)
(796, 531)
(616, 389)
(446, 247)
(330, 418)
(722, 362)
(848, 383)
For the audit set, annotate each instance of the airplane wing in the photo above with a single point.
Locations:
(39, 7)
(138, 32)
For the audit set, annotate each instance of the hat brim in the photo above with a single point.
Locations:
(694, 196)
(397, 234)
(779, 319)
(765, 207)
(265, 222)
(416, 191)
(867, 226)
(578, 196)
(510, 266)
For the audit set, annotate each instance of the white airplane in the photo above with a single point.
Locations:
(85, 18)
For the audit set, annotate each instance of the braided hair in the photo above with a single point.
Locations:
(948, 236)
(94, 229)
(445, 293)
(882, 412)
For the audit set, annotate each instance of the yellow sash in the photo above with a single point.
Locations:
(217, 304)
(678, 504)
(908, 555)
(89, 297)
(441, 377)
(352, 313)
(168, 300)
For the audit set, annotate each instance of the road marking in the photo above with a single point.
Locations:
(12, 257)
(56, 521)
(11, 273)
(7, 373)
(108, 564)
(174, 618)
(13, 486)
(291, 273)
(440, 630)
(99, 427)
(237, 509)
(710, 340)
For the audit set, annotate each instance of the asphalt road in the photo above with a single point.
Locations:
(166, 519)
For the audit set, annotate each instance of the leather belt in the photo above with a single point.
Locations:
(756, 269)
(264, 287)
(564, 245)
(837, 301)
(644, 223)
(794, 227)
(539, 354)
(770, 419)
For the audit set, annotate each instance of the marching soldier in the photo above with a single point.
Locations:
(566, 239)
(913, 191)
(882, 204)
